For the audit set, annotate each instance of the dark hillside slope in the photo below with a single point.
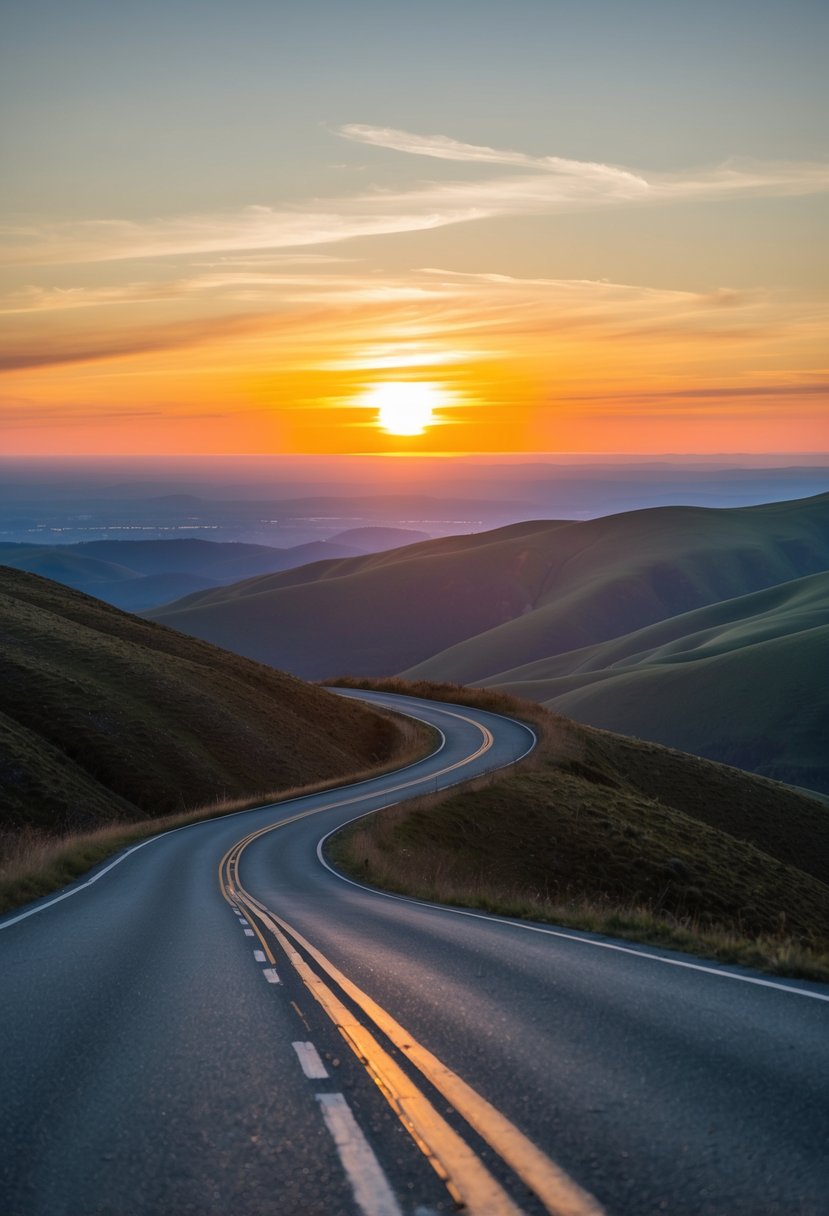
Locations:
(608, 832)
(105, 716)
(374, 614)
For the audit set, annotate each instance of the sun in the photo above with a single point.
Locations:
(404, 407)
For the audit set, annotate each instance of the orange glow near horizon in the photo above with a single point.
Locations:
(504, 284)
(514, 366)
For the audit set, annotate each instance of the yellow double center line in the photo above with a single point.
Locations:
(466, 1177)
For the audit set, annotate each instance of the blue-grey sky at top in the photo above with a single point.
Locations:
(251, 210)
(135, 109)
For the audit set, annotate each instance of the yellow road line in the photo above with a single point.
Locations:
(466, 1177)
(557, 1191)
(237, 848)
(462, 1171)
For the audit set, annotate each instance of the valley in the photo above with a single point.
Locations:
(701, 629)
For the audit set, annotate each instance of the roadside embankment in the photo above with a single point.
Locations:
(604, 833)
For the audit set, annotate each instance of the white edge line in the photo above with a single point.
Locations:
(721, 972)
(570, 937)
(81, 886)
(371, 1188)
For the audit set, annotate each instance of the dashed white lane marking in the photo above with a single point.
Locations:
(310, 1062)
(271, 976)
(242, 921)
(249, 933)
(371, 1188)
(259, 955)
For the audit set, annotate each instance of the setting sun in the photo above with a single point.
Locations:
(404, 408)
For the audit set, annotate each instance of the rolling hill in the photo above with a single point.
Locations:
(465, 608)
(742, 681)
(373, 615)
(595, 618)
(621, 573)
(104, 716)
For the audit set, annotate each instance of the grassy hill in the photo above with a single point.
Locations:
(470, 607)
(607, 833)
(378, 613)
(466, 608)
(702, 629)
(609, 577)
(742, 681)
(104, 716)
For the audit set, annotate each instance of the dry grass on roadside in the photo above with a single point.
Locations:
(601, 833)
(35, 863)
(429, 873)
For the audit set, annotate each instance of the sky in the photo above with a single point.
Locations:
(464, 226)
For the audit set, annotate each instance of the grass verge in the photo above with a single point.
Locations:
(601, 833)
(34, 863)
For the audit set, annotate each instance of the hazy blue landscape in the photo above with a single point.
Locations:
(288, 501)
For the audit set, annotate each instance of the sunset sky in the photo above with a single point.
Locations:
(579, 227)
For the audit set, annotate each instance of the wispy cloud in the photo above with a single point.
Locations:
(541, 185)
(250, 228)
(232, 282)
(794, 389)
(350, 321)
(19, 413)
(442, 147)
(613, 181)
(571, 352)
(50, 350)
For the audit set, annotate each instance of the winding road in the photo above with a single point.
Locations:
(216, 1022)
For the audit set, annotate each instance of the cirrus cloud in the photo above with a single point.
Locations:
(543, 185)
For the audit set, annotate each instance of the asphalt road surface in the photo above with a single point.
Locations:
(215, 1022)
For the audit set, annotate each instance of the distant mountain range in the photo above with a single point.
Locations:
(705, 629)
(141, 574)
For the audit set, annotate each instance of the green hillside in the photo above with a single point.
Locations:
(465, 608)
(104, 716)
(702, 629)
(612, 576)
(742, 681)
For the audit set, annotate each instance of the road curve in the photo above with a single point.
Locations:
(219, 1022)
